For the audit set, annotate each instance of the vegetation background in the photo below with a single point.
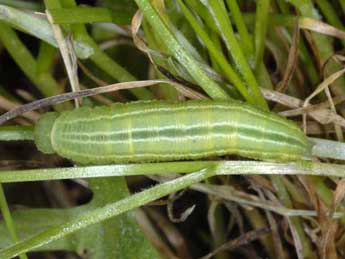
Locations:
(286, 56)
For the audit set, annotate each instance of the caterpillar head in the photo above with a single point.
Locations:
(42, 132)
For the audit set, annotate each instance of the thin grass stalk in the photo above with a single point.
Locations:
(218, 11)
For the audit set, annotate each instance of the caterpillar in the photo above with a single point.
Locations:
(153, 131)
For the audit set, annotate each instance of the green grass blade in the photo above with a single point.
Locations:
(225, 168)
(261, 24)
(23, 4)
(177, 50)
(331, 15)
(9, 133)
(45, 57)
(323, 43)
(104, 213)
(38, 27)
(24, 59)
(218, 10)
(6, 214)
(237, 15)
(99, 57)
(216, 54)
(108, 65)
(83, 14)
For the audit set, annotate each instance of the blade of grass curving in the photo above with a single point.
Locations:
(218, 10)
(108, 211)
(177, 50)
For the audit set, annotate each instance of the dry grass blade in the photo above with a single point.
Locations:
(99, 98)
(321, 27)
(328, 226)
(321, 87)
(139, 42)
(25, 95)
(90, 92)
(292, 60)
(338, 195)
(117, 95)
(240, 241)
(68, 55)
(229, 193)
(90, 75)
(154, 235)
(187, 86)
(115, 42)
(315, 128)
(278, 245)
(170, 208)
(323, 116)
(312, 107)
(328, 245)
(9, 105)
(314, 49)
(337, 128)
(296, 239)
(216, 224)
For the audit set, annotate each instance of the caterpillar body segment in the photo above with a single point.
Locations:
(166, 131)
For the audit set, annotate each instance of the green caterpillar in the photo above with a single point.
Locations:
(167, 131)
